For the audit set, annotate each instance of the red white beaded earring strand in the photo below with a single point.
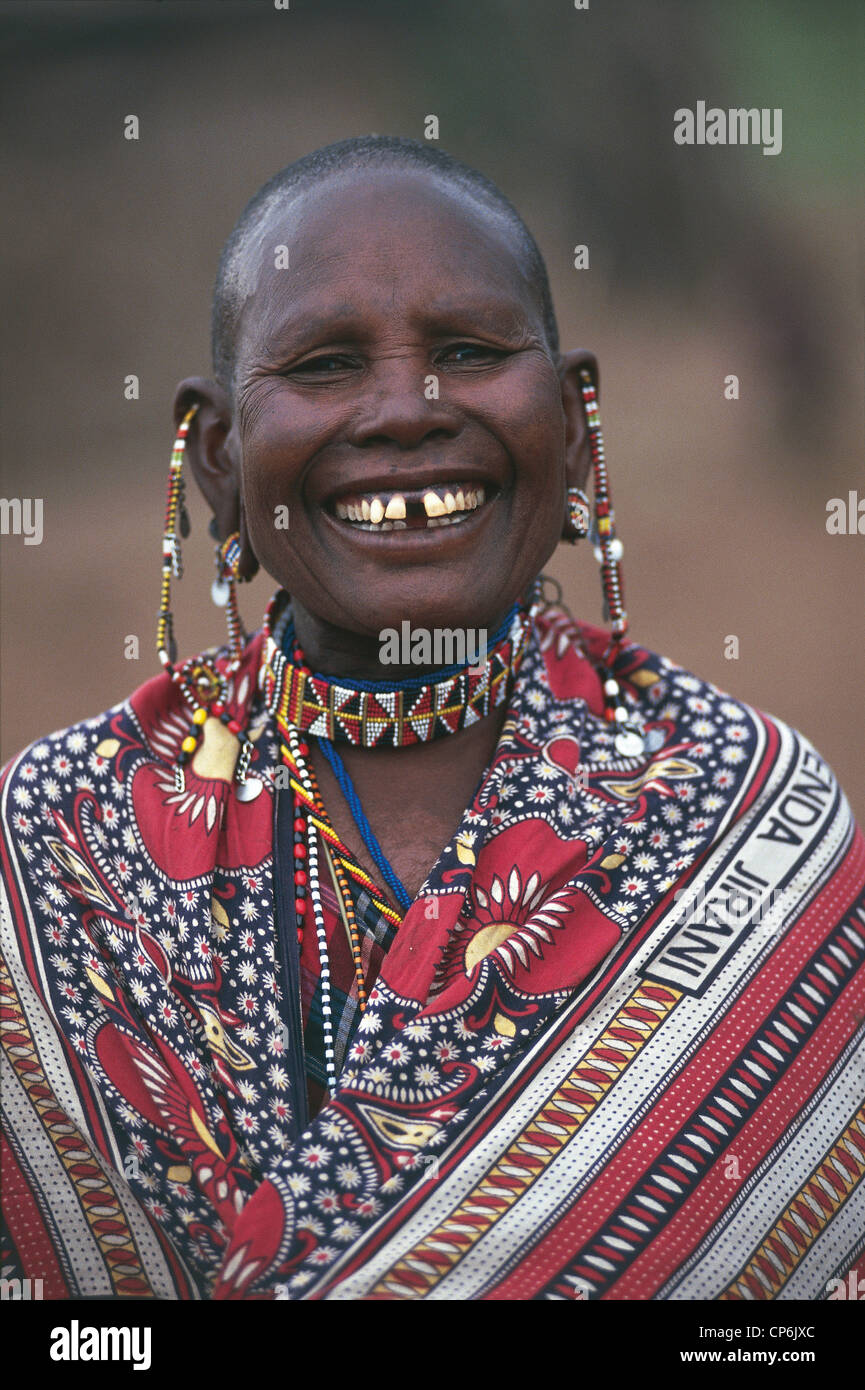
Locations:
(203, 687)
(608, 551)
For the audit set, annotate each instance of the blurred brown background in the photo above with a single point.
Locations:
(704, 261)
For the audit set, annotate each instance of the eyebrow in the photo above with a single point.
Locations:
(444, 314)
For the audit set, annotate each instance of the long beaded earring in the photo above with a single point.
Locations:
(224, 591)
(203, 687)
(176, 517)
(608, 552)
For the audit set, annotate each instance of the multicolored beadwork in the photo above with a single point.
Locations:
(579, 514)
(346, 900)
(203, 688)
(608, 551)
(176, 517)
(224, 592)
(412, 713)
(324, 964)
(314, 835)
(310, 817)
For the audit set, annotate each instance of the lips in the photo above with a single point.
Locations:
(445, 504)
(404, 504)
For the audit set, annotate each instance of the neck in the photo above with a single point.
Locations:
(334, 651)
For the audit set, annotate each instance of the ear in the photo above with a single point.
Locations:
(213, 455)
(577, 456)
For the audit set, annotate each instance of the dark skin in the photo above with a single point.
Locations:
(393, 277)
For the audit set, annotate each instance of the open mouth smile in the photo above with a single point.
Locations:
(445, 504)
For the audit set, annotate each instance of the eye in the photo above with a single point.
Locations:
(470, 354)
(328, 364)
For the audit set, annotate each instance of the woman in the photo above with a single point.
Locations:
(329, 973)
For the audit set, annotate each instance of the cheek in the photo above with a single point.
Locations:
(525, 411)
(537, 426)
(269, 514)
(532, 428)
(272, 471)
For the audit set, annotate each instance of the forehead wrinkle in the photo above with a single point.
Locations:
(494, 311)
(341, 321)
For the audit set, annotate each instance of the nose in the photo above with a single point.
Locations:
(402, 407)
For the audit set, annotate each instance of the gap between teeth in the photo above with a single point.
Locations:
(390, 514)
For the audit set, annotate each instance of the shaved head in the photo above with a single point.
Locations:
(239, 264)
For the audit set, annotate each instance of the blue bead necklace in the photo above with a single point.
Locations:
(347, 787)
(340, 771)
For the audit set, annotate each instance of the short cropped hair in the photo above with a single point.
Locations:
(314, 168)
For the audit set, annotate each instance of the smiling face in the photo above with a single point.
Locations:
(394, 391)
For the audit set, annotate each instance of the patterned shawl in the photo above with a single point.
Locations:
(616, 1050)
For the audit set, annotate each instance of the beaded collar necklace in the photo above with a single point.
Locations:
(364, 714)
(369, 714)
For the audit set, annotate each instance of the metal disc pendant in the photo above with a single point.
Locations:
(249, 789)
(220, 592)
(629, 744)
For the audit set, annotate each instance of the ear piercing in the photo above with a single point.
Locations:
(578, 514)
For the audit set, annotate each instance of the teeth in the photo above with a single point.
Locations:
(389, 513)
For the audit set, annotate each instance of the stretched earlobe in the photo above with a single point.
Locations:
(248, 565)
(213, 457)
(571, 366)
(584, 449)
(211, 450)
(577, 453)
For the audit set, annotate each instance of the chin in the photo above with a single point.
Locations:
(461, 605)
